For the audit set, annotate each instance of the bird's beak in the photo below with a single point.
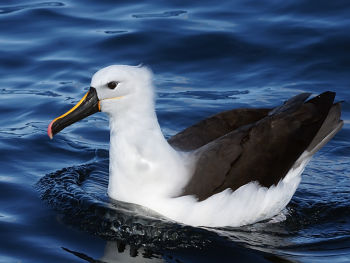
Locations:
(88, 105)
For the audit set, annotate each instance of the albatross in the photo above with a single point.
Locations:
(234, 168)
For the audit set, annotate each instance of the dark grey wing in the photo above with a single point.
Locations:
(263, 151)
(214, 127)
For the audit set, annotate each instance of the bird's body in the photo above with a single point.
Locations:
(237, 167)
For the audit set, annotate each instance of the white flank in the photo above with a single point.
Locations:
(248, 204)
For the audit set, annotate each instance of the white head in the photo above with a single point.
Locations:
(118, 90)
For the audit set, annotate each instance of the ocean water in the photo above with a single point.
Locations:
(207, 57)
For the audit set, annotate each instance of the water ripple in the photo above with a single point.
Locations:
(161, 15)
(13, 9)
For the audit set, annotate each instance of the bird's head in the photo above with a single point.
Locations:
(114, 90)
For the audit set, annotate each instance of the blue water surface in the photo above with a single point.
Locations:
(207, 56)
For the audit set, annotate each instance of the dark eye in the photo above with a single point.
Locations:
(112, 84)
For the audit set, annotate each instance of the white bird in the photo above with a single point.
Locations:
(235, 168)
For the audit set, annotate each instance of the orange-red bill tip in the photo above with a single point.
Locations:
(49, 130)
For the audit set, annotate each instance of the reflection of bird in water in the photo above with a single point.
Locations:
(119, 252)
(234, 168)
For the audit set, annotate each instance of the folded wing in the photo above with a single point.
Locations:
(240, 146)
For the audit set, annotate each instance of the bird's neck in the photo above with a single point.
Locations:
(142, 163)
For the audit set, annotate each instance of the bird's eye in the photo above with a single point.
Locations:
(112, 84)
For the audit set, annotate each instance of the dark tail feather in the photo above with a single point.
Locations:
(323, 102)
(330, 126)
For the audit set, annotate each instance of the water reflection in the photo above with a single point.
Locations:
(118, 251)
